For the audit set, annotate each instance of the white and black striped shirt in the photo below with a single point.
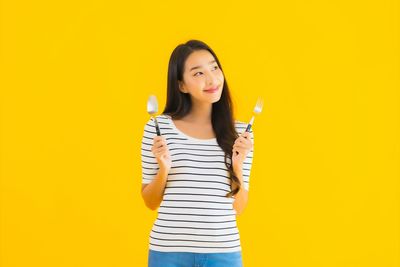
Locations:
(195, 215)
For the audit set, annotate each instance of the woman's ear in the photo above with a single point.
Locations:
(181, 87)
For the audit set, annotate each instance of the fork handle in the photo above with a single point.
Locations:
(250, 124)
(248, 127)
(157, 127)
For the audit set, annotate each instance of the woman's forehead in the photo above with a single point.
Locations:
(199, 59)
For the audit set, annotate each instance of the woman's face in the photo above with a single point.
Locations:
(201, 74)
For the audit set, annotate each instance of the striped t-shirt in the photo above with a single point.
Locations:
(195, 215)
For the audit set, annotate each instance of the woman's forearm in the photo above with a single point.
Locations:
(153, 193)
(241, 197)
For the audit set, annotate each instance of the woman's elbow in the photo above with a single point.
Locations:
(150, 205)
(239, 211)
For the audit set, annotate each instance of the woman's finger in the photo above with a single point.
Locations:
(244, 140)
(242, 150)
(243, 146)
(238, 146)
(157, 139)
(248, 142)
(160, 153)
(157, 146)
(160, 141)
(161, 149)
(155, 149)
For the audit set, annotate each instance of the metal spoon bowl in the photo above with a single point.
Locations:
(152, 109)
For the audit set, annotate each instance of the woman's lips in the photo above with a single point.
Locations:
(213, 90)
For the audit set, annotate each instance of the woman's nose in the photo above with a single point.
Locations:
(211, 79)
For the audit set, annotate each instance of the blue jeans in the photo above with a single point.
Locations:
(189, 259)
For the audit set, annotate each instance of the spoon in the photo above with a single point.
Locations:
(152, 109)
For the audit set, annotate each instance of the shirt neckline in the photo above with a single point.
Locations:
(210, 140)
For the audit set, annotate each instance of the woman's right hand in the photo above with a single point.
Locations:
(161, 152)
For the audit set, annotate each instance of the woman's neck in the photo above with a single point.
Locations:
(200, 113)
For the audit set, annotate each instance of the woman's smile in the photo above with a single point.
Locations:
(212, 90)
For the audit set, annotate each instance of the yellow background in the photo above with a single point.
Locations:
(75, 77)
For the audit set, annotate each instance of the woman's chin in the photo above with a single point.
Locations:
(216, 99)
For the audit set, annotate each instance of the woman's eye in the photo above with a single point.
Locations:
(215, 67)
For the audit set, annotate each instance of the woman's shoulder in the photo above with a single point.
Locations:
(241, 127)
(161, 117)
(240, 124)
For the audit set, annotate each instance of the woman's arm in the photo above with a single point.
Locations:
(153, 192)
(241, 197)
(242, 147)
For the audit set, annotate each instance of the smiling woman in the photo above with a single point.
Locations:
(203, 81)
(197, 173)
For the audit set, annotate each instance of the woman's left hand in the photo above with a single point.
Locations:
(243, 145)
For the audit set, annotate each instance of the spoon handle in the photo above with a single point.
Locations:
(157, 127)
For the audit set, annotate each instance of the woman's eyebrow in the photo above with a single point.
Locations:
(197, 67)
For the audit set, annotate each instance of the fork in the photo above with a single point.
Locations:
(257, 110)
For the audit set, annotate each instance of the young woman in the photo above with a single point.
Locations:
(197, 172)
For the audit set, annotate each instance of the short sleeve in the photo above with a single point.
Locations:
(149, 162)
(247, 163)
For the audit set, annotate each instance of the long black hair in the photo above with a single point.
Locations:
(179, 104)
